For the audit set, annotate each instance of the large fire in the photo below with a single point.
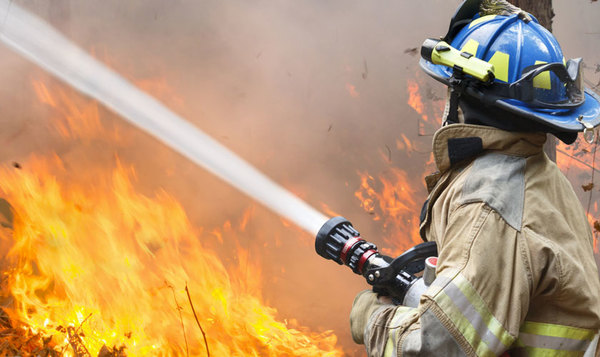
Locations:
(92, 267)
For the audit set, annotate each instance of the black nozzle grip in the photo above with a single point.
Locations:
(332, 238)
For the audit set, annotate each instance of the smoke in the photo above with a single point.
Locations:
(310, 92)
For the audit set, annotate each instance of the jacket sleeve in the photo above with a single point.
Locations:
(477, 302)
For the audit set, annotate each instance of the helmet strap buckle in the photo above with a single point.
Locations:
(452, 117)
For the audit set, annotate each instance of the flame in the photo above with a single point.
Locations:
(92, 265)
(432, 113)
(404, 144)
(391, 200)
(578, 162)
(75, 118)
(352, 90)
(414, 99)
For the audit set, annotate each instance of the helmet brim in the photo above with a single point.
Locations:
(560, 119)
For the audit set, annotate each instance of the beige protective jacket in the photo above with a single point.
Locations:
(516, 270)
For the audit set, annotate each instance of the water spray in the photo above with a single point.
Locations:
(336, 238)
(42, 44)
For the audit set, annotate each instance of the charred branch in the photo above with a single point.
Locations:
(179, 309)
(187, 291)
(76, 342)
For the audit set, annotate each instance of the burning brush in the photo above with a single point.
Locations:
(91, 267)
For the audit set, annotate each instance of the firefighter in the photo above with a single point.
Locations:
(516, 273)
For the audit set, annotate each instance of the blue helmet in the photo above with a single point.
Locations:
(531, 77)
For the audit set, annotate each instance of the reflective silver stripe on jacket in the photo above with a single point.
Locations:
(471, 316)
(541, 339)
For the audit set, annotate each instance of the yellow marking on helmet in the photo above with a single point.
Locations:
(470, 47)
(542, 80)
(481, 20)
(501, 61)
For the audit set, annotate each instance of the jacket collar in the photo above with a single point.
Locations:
(457, 142)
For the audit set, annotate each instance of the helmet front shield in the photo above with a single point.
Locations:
(535, 86)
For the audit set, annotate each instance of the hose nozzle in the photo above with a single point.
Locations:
(337, 240)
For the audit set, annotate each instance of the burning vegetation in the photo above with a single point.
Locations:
(92, 267)
(95, 266)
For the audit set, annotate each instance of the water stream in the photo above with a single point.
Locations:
(39, 42)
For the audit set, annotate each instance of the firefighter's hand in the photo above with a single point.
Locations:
(365, 303)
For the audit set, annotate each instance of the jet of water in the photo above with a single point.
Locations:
(42, 44)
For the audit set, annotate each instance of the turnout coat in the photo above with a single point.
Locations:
(516, 272)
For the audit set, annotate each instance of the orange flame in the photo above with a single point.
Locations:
(431, 113)
(75, 119)
(100, 260)
(390, 199)
(405, 145)
(414, 99)
(576, 161)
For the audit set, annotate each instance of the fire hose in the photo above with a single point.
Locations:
(399, 278)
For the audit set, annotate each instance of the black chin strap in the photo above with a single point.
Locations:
(457, 87)
(452, 117)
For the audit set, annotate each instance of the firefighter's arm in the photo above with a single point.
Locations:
(477, 302)
(364, 306)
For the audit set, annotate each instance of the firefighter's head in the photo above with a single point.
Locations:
(533, 86)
